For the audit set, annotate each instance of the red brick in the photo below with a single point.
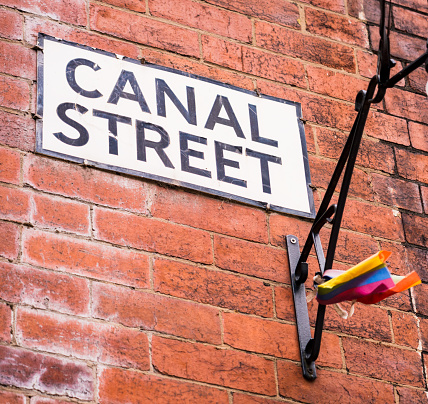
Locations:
(201, 16)
(396, 193)
(410, 22)
(14, 93)
(10, 166)
(367, 65)
(383, 362)
(336, 27)
(419, 136)
(416, 229)
(101, 343)
(410, 105)
(221, 52)
(143, 30)
(420, 5)
(387, 127)
(162, 237)
(61, 214)
(44, 289)
(118, 386)
(9, 234)
(157, 313)
(257, 260)
(17, 60)
(5, 323)
(423, 325)
(213, 287)
(208, 364)
(398, 262)
(367, 10)
(420, 294)
(280, 12)
(24, 369)
(9, 397)
(209, 214)
(407, 395)
(342, 387)
(247, 399)
(310, 138)
(405, 328)
(86, 258)
(412, 166)
(34, 25)
(273, 67)
(424, 192)
(334, 84)
(363, 217)
(14, 204)
(308, 48)
(44, 400)
(73, 12)
(17, 131)
(85, 183)
(331, 5)
(11, 24)
(284, 305)
(416, 261)
(135, 5)
(280, 226)
(418, 80)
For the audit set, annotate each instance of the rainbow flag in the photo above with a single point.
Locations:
(368, 282)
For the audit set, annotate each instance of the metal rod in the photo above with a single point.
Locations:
(406, 71)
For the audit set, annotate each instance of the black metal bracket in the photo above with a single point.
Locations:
(310, 346)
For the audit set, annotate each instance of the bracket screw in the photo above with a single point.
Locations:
(293, 241)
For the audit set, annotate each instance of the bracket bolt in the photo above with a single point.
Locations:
(293, 241)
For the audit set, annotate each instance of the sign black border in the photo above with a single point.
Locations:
(39, 133)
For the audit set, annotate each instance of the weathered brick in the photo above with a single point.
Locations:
(410, 22)
(308, 48)
(97, 342)
(334, 84)
(85, 183)
(247, 399)
(210, 214)
(143, 30)
(86, 258)
(423, 326)
(17, 60)
(60, 213)
(419, 136)
(73, 11)
(44, 400)
(17, 131)
(155, 312)
(273, 338)
(409, 105)
(11, 24)
(44, 289)
(14, 204)
(14, 93)
(280, 226)
(369, 359)
(5, 323)
(367, 10)
(412, 166)
(136, 5)
(396, 193)
(24, 369)
(424, 192)
(9, 234)
(367, 65)
(221, 52)
(280, 12)
(253, 259)
(118, 386)
(343, 387)
(416, 261)
(407, 395)
(202, 16)
(420, 294)
(336, 27)
(418, 80)
(387, 127)
(162, 237)
(212, 287)
(10, 166)
(416, 229)
(405, 328)
(284, 306)
(9, 397)
(208, 364)
(416, 4)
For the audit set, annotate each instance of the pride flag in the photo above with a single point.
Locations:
(368, 282)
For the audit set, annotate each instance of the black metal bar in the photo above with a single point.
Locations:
(407, 70)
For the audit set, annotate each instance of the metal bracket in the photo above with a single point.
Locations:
(300, 304)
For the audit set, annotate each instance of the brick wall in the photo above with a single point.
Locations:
(119, 290)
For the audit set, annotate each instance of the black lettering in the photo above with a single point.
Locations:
(255, 128)
(189, 114)
(159, 147)
(84, 135)
(185, 153)
(113, 119)
(214, 118)
(222, 162)
(70, 74)
(264, 167)
(118, 92)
